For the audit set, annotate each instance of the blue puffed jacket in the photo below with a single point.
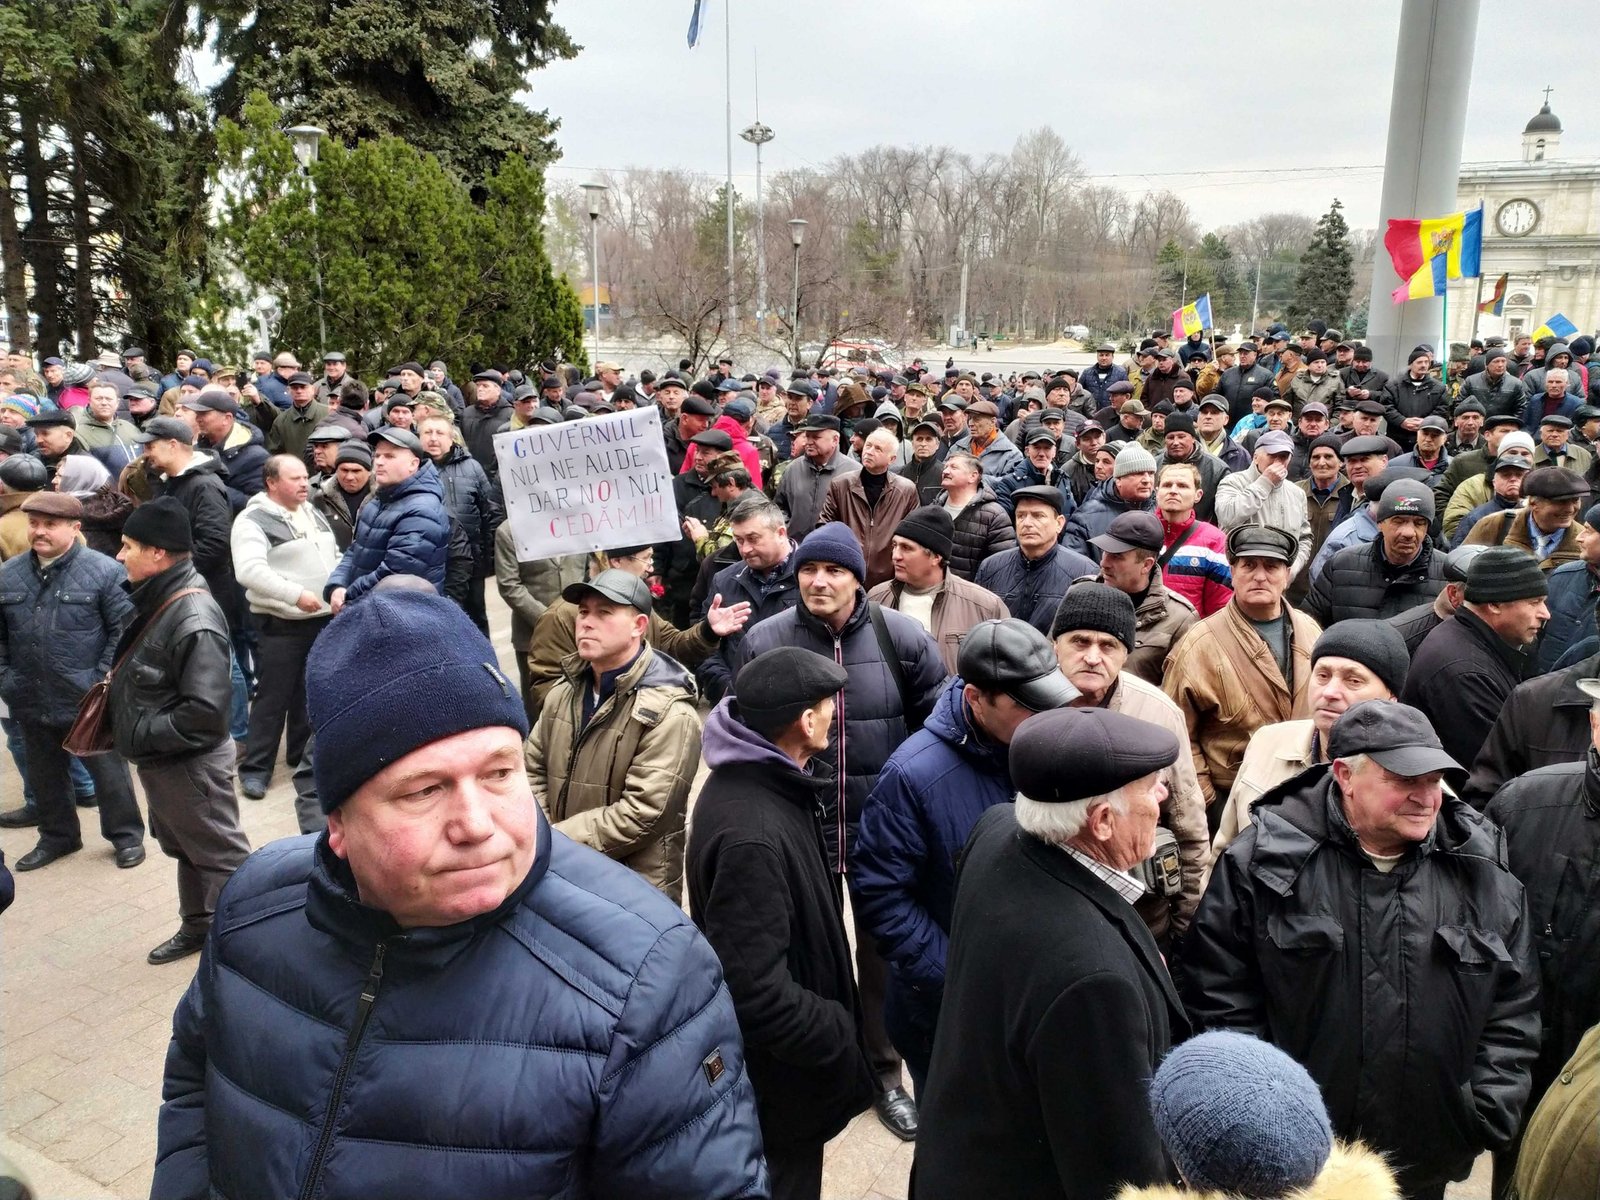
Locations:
(577, 1041)
(404, 530)
(921, 811)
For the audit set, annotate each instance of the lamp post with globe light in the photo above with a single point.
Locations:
(307, 139)
(595, 193)
(797, 233)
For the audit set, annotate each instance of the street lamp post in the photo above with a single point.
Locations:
(797, 233)
(307, 139)
(595, 194)
(758, 135)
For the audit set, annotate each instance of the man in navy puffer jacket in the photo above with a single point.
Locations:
(405, 530)
(928, 797)
(440, 995)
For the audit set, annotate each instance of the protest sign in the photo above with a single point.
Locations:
(587, 485)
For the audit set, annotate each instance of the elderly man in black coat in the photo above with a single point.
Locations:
(1465, 669)
(761, 892)
(1369, 926)
(1057, 1006)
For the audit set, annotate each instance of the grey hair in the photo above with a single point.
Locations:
(1549, 371)
(1354, 762)
(1058, 824)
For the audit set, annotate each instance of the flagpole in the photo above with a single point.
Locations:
(1477, 309)
(1444, 348)
(727, 95)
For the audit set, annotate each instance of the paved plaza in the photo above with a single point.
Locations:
(84, 1020)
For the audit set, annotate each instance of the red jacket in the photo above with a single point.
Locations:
(1198, 569)
(748, 454)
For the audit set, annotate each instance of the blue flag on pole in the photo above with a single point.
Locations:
(694, 23)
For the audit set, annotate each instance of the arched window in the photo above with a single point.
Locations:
(1538, 150)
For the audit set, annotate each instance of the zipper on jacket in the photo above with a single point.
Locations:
(839, 816)
(369, 993)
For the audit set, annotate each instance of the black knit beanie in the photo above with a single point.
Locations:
(931, 527)
(1503, 574)
(1095, 606)
(162, 523)
(1376, 645)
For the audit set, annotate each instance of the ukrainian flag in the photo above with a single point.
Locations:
(1557, 327)
(1433, 250)
(1192, 318)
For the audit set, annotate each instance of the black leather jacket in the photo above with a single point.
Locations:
(170, 699)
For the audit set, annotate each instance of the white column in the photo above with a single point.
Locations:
(1421, 167)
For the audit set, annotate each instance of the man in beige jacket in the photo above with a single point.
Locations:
(1353, 661)
(618, 739)
(1246, 666)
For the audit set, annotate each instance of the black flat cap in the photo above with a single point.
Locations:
(617, 586)
(1069, 754)
(1042, 492)
(160, 428)
(330, 433)
(713, 439)
(1013, 657)
(1554, 483)
(58, 416)
(1262, 541)
(698, 406)
(819, 423)
(490, 376)
(1395, 736)
(1358, 446)
(774, 688)
(802, 387)
(545, 415)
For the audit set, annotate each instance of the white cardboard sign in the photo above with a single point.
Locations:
(588, 485)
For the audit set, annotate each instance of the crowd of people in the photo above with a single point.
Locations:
(1182, 770)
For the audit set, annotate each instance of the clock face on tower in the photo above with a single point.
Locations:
(1517, 217)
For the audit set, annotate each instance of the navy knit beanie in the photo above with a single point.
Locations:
(393, 672)
(834, 543)
(1239, 1116)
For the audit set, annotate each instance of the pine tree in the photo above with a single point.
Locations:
(1327, 273)
(1228, 296)
(397, 261)
(1168, 291)
(442, 74)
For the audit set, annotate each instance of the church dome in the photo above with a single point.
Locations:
(1544, 121)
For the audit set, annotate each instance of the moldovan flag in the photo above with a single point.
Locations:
(1192, 318)
(1430, 251)
(1556, 327)
(1496, 303)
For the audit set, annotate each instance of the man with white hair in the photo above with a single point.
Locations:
(1057, 1006)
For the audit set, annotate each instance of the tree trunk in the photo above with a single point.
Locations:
(84, 307)
(40, 247)
(19, 329)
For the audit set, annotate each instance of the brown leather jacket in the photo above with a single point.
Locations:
(957, 607)
(1224, 678)
(846, 502)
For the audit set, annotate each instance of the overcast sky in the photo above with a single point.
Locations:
(1295, 98)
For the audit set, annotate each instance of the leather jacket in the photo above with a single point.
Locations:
(171, 697)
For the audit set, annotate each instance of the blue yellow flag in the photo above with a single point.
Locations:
(1429, 252)
(694, 23)
(1557, 327)
(1192, 318)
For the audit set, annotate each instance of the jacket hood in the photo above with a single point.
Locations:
(1304, 811)
(732, 428)
(1556, 348)
(887, 410)
(204, 462)
(1352, 1172)
(664, 671)
(729, 742)
(243, 434)
(950, 721)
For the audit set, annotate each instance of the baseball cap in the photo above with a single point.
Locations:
(617, 586)
(1396, 736)
(1131, 531)
(1011, 656)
